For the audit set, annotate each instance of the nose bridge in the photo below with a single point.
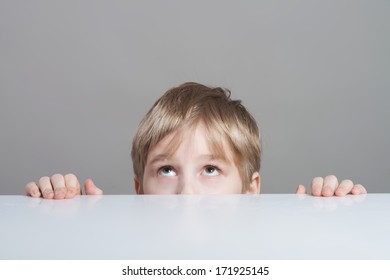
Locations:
(186, 185)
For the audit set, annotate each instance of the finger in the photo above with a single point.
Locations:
(58, 183)
(72, 185)
(330, 185)
(316, 186)
(358, 189)
(33, 190)
(45, 187)
(91, 188)
(301, 189)
(344, 188)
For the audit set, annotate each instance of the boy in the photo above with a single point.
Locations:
(194, 140)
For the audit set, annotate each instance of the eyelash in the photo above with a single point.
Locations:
(214, 167)
(204, 168)
(164, 167)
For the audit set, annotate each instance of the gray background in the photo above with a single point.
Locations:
(76, 77)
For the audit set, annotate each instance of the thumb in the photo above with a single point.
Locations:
(300, 189)
(91, 189)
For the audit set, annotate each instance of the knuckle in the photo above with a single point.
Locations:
(31, 188)
(331, 178)
(317, 182)
(44, 178)
(70, 175)
(317, 179)
(71, 178)
(57, 177)
(71, 181)
(347, 183)
(30, 185)
(316, 186)
(44, 182)
(361, 188)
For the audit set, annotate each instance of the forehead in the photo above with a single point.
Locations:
(194, 141)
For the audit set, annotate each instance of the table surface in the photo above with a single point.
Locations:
(263, 226)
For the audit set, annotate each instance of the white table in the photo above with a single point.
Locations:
(196, 227)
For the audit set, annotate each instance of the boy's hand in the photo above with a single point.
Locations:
(60, 187)
(330, 186)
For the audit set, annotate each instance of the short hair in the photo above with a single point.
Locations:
(187, 105)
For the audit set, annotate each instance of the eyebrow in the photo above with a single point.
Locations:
(214, 157)
(159, 157)
(163, 157)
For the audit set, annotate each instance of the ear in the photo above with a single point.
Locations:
(254, 186)
(137, 185)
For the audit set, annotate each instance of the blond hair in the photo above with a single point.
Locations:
(183, 107)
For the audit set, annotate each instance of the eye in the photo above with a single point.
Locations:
(166, 171)
(211, 171)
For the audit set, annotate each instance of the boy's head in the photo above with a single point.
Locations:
(195, 139)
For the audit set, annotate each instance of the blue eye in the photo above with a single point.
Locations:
(211, 171)
(166, 171)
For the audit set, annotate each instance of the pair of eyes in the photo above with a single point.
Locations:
(169, 171)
